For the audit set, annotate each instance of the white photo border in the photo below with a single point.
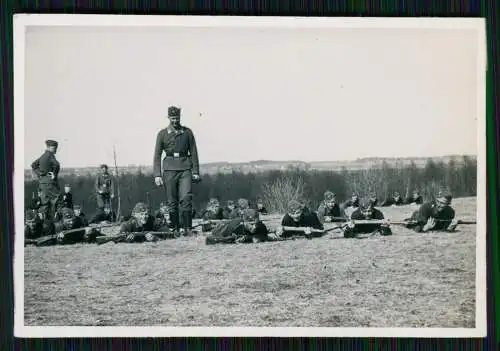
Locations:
(21, 21)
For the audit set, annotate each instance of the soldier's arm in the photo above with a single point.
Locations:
(193, 150)
(157, 154)
(315, 223)
(96, 185)
(321, 213)
(35, 166)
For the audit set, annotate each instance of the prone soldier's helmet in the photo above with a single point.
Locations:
(295, 209)
(243, 204)
(213, 204)
(140, 212)
(68, 217)
(367, 208)
(443, 200)
(330, 198)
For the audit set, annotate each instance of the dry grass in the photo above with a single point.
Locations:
(407, 280)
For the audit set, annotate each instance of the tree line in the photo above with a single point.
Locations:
(459, 176)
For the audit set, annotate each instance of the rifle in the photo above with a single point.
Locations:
(75, 235)
(405, 222)
(122, 236)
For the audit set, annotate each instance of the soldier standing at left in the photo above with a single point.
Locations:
(47, 168)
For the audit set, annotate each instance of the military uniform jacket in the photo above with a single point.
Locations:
(67, 200)
(237, 228)
(45, 164)
(307, 219)
(366, 228)
(180, 149)
(133, 226)
(210, 215)
(104, 179)
(428, 210)
(324, 211)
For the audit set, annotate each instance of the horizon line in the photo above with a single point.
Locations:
(290, 161)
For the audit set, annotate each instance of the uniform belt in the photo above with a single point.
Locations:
(176, 154)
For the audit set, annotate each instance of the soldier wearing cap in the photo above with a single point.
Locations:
(366, 211)
(104, 215)
(350, 205)
(248, 228)
(298, 216)
(213, 211)
(180, 168)
(162, 217)
(260, 207)
(414, 199)
(230, 211)
(67, 197)
(434, 216)
(67, 220)
(395, 200)
(104, 187)
(329, 209)
(140, 221)
(47, 168)
(33, 226)
(77, 209)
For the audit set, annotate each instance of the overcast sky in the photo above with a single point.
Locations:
(276, 94)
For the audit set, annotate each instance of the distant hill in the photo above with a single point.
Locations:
(267, 165)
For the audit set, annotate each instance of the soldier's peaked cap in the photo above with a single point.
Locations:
(30, 215)
(250, 215)
(103, 166)
(329, 195)
(294, 205)
(140, 207)
(174, 111)
(51, 142)
(444, 197)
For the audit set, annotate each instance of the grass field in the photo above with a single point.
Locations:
(406, 280)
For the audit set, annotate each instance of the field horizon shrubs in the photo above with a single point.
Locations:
(276, 188)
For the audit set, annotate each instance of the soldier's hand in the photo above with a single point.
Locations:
(196, 177)
(51, 175)
(308, 231)
(279, 231)
(350, 224)
(158, 181)
(328, 219)
(431, 223)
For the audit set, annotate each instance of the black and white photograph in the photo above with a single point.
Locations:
(249, 176)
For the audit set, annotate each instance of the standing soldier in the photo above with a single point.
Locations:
(104, 187)
(67, 198)
(180, 168)
(47, 168)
